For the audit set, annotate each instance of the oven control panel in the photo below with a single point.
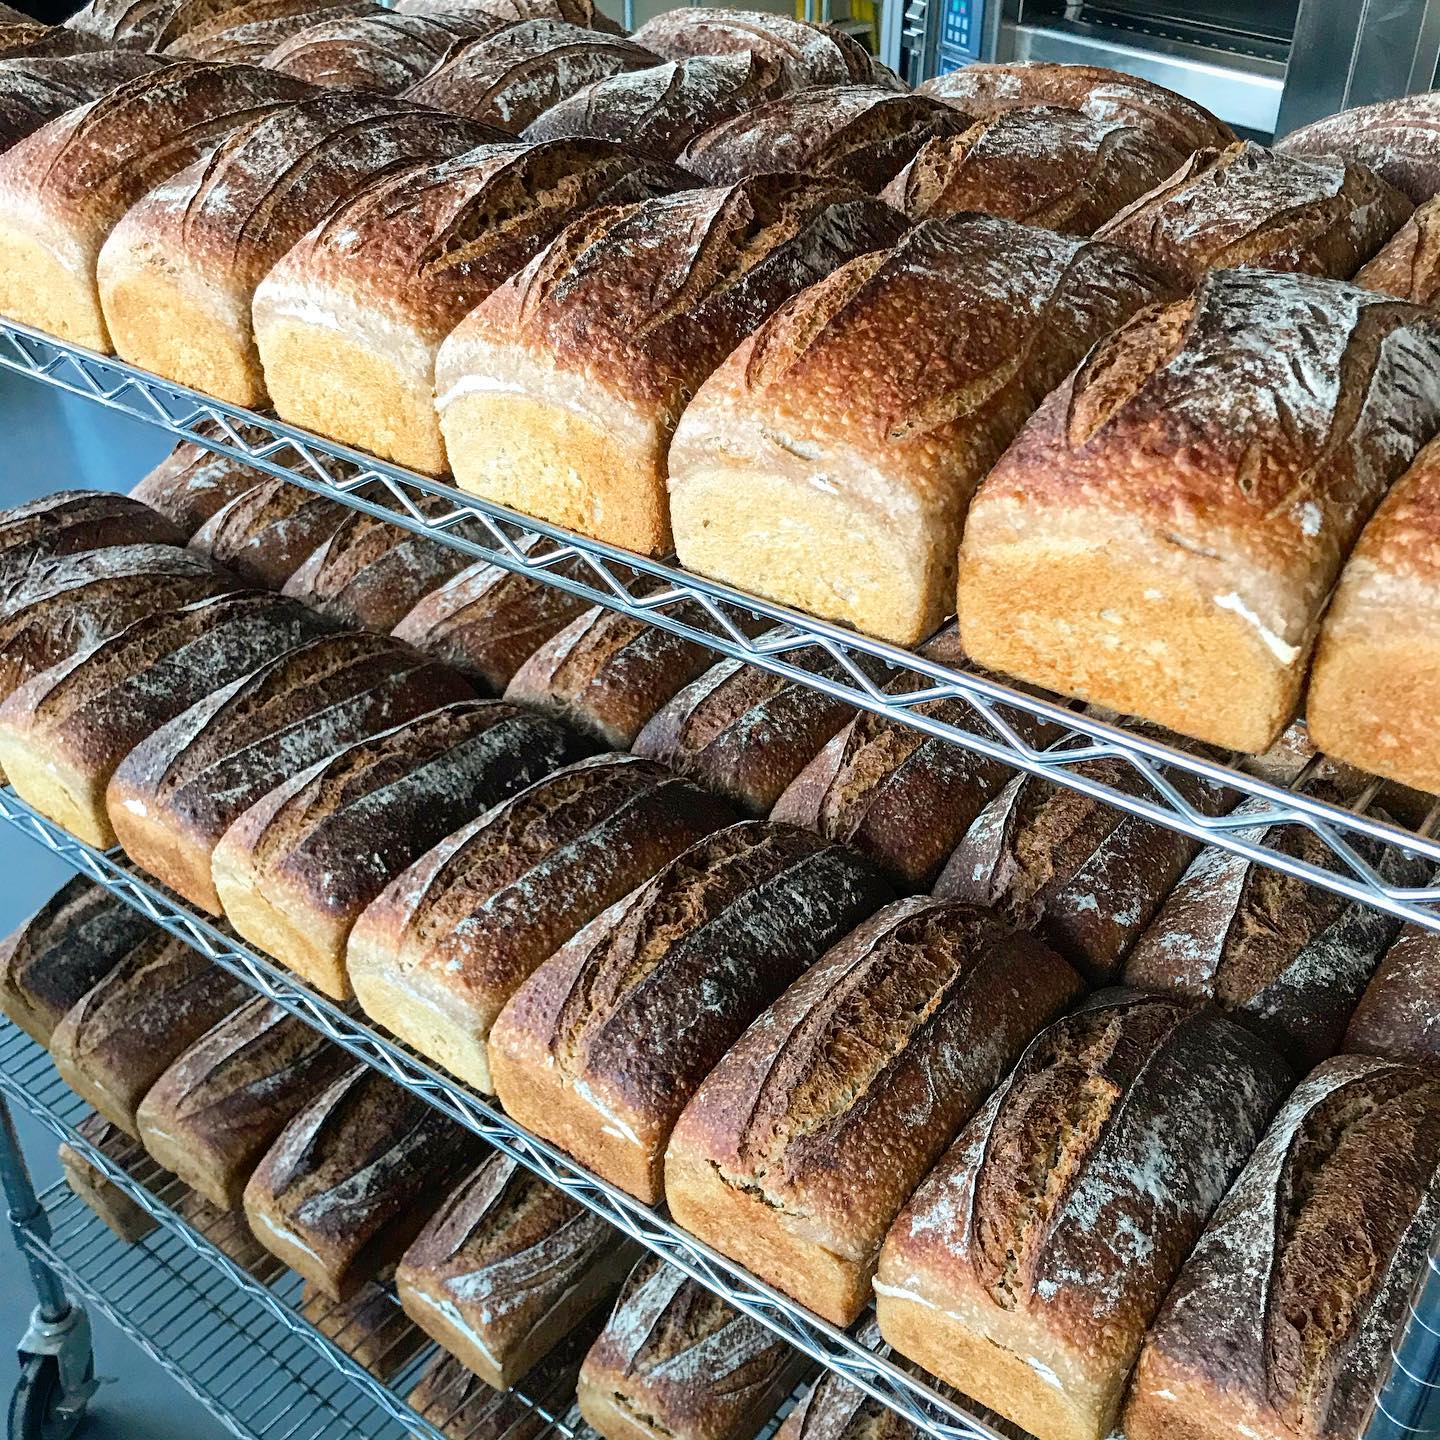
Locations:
(962, 28)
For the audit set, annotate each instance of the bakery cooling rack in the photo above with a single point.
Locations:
(800, 647)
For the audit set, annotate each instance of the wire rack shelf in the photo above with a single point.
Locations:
(870, 674)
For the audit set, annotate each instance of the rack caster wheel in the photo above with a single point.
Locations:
(40, 1409)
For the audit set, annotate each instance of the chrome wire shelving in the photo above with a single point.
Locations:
(904, 686)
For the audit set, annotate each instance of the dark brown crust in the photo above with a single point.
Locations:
(369, 1327)
(69, 521)
(246, 34)
(265, 533)
(141, 24)
(1397, 1016)
(1398, 139)
(191, 483)
(1409, 265)
(585, 13)
(35, 91)
(27, 39)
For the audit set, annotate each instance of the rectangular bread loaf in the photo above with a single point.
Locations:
(116, 1041)
(506, 1269)
(801, 1145)
(268, 531)
(350, 320)
(35, 89)
(191, 483)
(245, 34)
(1028, 1265)
(62, 951)
(353, 1178)
(437, 954)
(370, 1327)
(63, 189)
(601, 1048)
(215, 1111)
(828, 463)
(1281, 1322)
(675, 1362)
(558, 395)
(178, 272)
(129, 1221)
(66, 522)
(63, 733)
(173, 796)
(1163, 535)
(1397, 1016)
(295, 870)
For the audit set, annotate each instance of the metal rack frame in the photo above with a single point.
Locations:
(714, 615)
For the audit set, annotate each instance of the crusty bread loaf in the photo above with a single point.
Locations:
(65, 522)
(1282, 956)
(178, 273)
(191, 483)
(605, 1043)
(746, 733)
(1398, 139)
(1083, 876)
(267, 532)
(1397, 1016)
(116, 1040)
(506, 1268)
(897, 382)
(661, 109)
(212, 1115)
(988, 89)
(1375, 678)
(436, 956)
(63, 188)
(1407, 265)
(246, 33)
(140, 24)
(798, 1150)
(369, 1327)
(513, 75)
(901, 797)
(76, 938)
(559, 394)
(350, 321)
(863, 134)
(1246, 205)
(353, 1178)
(1054, 168)
(296, 869)
(173, 797)
(26, 39)
(34, 91)
(584, 13)
(1028, 1265)
(63, 733)
(130, 1221)
(675, 1362)
(1098, 562)
(488, 621)
(379, 51)
(1281, 1321)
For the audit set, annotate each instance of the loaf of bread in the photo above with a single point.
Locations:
(513, 75)
(746, 733)
(218, 1108)
(1375, 675)
(488, 621)
(26, 39)
(1028, 1265)
(378, 51)
(602, 1047)
(140, 24)
(296, 869)
(352, 1180)
(63, 733)
(1083, 876)
(75, 939)
(369, 1327)
(129, 1221)
(350, 321)
(1246, 205)
(1407, 265)
(178, 273)
(191, 483)
(1281, 1321)
(1054, 168)
(828, 462)
(1397, 1016)
(68, 604)
(436, 956)
(675, 1362)
(860, 134)
(266, 532)
(63, 188)
(987, 89)
(116, 1041)
(798, 1150)
(173, 797)
(1398, 139)
(902, 797)
(67, 522)
(585, 13)
(661, 109)
(506, 1268)
(559, 394)
(1189, 496)
(34, 91)
(1281, 955)
(246, 34)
